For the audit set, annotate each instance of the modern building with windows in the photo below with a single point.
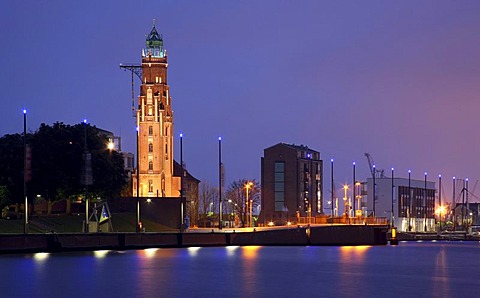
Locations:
(412, 202)
(292, 181)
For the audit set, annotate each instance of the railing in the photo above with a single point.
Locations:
(344, 220)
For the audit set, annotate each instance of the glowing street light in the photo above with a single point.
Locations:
(358, 212)
(248, 204)
(345, 199)
(440, 198)
(25, 223)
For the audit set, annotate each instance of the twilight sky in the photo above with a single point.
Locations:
(397, 79)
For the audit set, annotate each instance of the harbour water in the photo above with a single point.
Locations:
(423, 269)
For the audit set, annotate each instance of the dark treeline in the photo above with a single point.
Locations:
(57, 164)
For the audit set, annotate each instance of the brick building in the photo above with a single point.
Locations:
(158, 174)
(292, 183)
(155, 124)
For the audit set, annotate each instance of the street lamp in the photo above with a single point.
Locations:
(440, 211)
(425, 205)
(345, 200)
(86, 174)
(454, 207)
(137, 228)
(440, 199)
(182, 219)
(220, 182)
(110, 145)
(374, 194)
(25, 175)
(409, 201)
(393, 188)
(332, 186)
(358, 212)
(354, 190)
(248, 205)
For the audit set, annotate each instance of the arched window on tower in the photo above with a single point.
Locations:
(150, 147)
(150, 185)
(150, 165)
(150, 130)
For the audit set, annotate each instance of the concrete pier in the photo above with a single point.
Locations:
(300, 236)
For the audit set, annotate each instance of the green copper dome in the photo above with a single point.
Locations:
(154, 45)
(154, 39)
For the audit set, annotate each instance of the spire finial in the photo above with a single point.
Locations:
(153, 22)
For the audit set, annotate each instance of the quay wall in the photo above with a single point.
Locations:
(301, 236)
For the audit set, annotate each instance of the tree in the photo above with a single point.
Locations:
(11, 168)
(57, 163)
(237, 197)
(208, 195)
(192, 203)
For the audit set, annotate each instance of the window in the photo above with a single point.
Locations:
(150, 147)
(279, 175)
(149, 96)
(150, 165)
(150, 185)
(150, 130)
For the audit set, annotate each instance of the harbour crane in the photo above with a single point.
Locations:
(376, 173)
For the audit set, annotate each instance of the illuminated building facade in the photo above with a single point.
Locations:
(155, 125)
(413, 202)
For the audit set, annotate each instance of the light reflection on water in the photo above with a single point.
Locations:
(440, 269)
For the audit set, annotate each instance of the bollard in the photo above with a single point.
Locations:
(393, 238)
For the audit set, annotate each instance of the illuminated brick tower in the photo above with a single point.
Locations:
(155, 124)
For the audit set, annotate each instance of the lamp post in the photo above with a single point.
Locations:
(181, 184)
(86, 174)
(392, 211)
(354, 190)
(231, 213)
(454, 207)
(138, 181)
(25, 224)
(332, 187)
(374, 194)
(425, 205)
(345, 200)
(440, 200)
(466, 202)
(248, 205)
(220, 182)
(409, 200)
(358, 212)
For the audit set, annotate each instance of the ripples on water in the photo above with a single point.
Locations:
(436, 269)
